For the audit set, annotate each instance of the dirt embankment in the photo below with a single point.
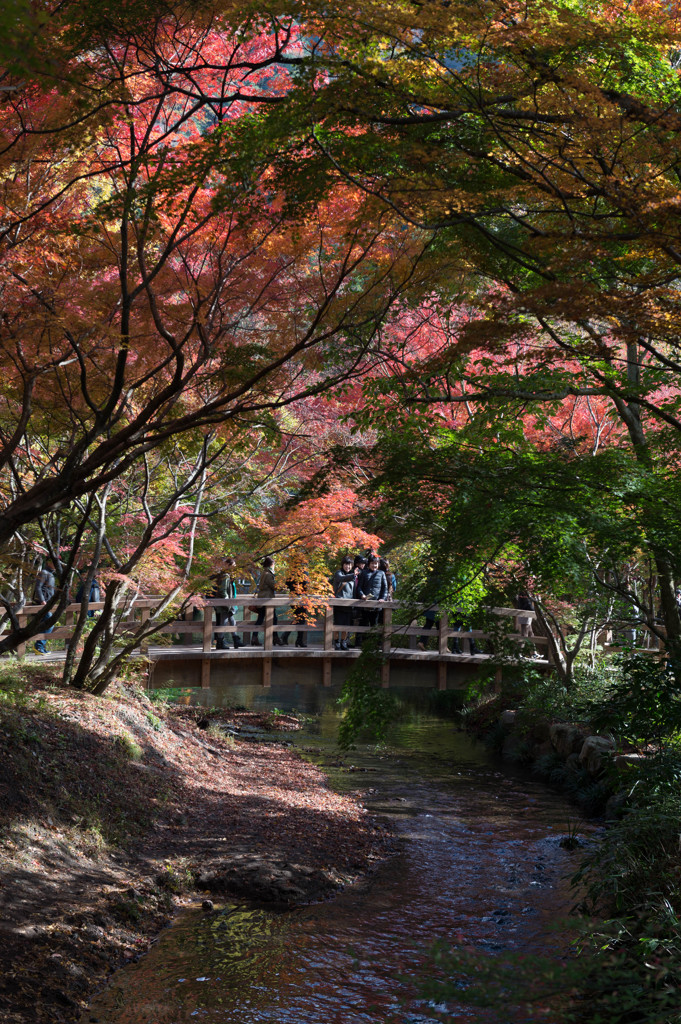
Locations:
(113, 812)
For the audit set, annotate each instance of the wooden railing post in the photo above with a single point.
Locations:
(442, 634)
(269, 628)
(328, 628)
(387, 629)
(246, 619)
(144, 642)
(69, 622)
(188, 615)
(21, 649)
(207, 628)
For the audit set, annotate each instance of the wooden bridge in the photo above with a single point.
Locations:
(188, 656)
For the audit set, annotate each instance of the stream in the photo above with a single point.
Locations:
(478, 864)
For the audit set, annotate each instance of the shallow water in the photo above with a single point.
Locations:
(478, 864)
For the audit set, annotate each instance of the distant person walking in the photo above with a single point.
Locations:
(225, 587)
(44, 592)
(266, 590)
(94, 595)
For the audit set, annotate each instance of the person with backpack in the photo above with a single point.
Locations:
(384, 564)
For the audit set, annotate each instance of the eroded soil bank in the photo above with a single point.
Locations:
(114, 811)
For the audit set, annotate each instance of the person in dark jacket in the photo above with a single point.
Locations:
(225, 587)
(372, 586)
(524, 603)
(94, 595)
(44, 592)
(343, 583)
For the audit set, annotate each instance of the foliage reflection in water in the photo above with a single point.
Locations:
(479, 865)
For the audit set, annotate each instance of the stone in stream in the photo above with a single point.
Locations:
(567, 739)
(594, 750)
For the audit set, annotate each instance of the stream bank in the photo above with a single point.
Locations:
(115, 812)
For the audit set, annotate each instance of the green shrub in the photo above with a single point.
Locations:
(175, 881)
(643, 704)
(366, 707)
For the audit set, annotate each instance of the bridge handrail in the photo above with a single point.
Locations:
(322, 606)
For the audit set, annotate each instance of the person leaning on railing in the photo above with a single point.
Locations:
(372, 586)
(359, 564)
(343, 583)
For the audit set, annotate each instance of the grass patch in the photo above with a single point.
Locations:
(128, 746)
(154, 721)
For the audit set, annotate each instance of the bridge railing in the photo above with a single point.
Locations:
(318, 615)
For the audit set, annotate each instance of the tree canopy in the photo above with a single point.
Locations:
(447, 231)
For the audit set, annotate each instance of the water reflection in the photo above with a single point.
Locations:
(479, 864)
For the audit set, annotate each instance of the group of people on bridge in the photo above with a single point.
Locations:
(362, 578)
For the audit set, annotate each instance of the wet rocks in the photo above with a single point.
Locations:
(567, 754)
(594, 750)
(566, 739)
(263, 879)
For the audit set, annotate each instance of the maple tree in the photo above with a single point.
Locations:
(149, 288)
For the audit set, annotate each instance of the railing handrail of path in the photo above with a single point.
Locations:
(197, 620)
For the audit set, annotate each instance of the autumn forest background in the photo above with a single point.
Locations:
(303, 279)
